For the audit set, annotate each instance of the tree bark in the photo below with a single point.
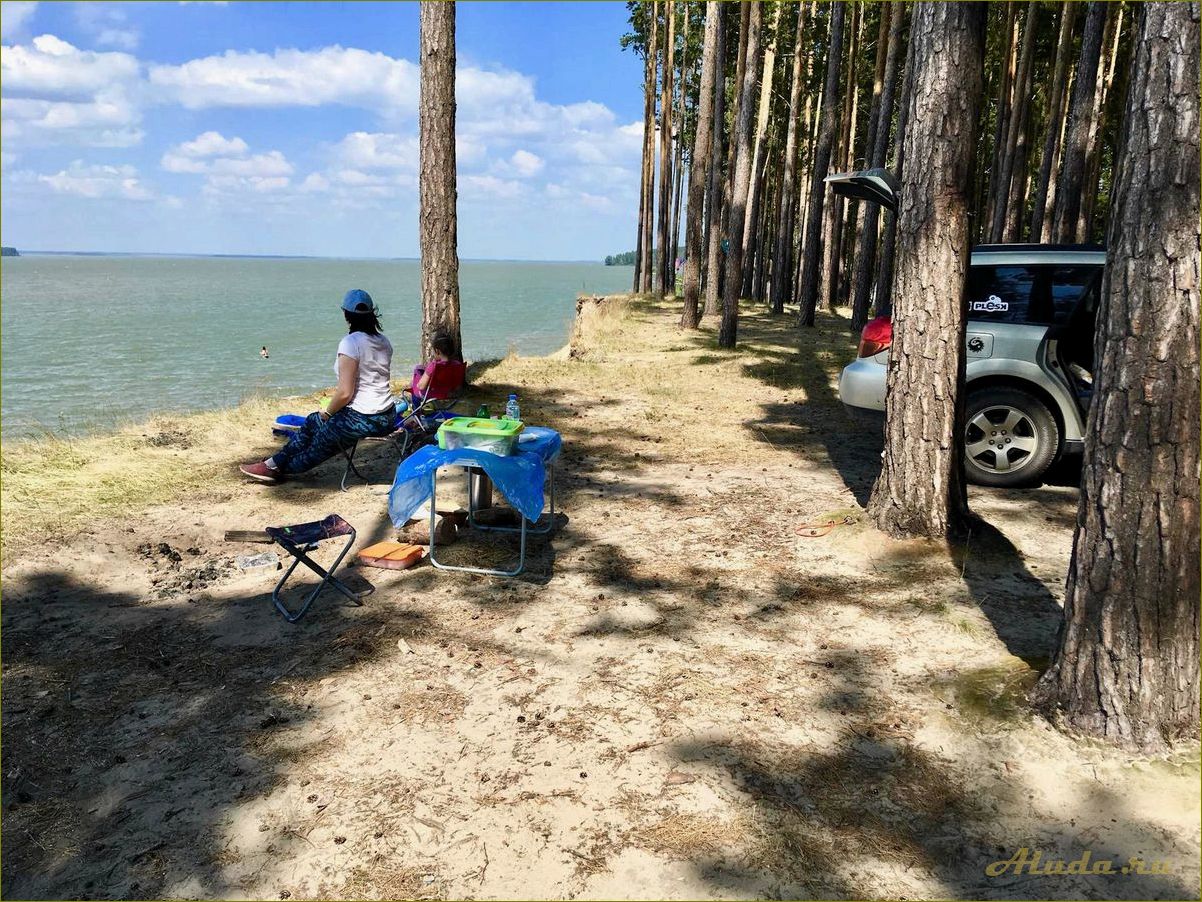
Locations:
(921, 489)
(1016, 127)
(678, 165)
(648, 150)
(1051, 141)
(1002, 109)
(767, 232)
(740, 177)
(648, 253)
(1020, 182)
(699, 170)
(751, 231)
(855, 250)
(667, 254)
(782, 262)
(1126, 668)
(811, 258)
(713, 255)
(884, 277)
(437, 188)
(1093, 156)
(866, 259)
(833, 224)
(1081, 113)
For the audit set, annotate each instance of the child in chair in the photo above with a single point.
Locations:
(444, 350)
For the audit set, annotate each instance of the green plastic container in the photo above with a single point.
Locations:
(494, 436)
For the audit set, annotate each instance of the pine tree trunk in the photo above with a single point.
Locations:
(751, 232)
(648, 253)
(1081, 113)
(740, 178)
(648, 150)
(1093, 156)
(663, 272)
(678, 166)
(884, 277)
(866, 259)
(700, 168)
(713, 296)
(1020, 181)
(674, 231)
(1016, 127)
(1002, 107)
(437, 188)
(782, 262)
(713, 252)
(921, 489)
(811, 258)
(833, 226)
(805, 162)
(1051, 141)
(851, 213)
(767, 235)
(1126, 668)
(855, 255)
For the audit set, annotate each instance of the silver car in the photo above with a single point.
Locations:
(1029, 346)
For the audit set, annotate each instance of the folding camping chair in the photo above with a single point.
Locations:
(420, 422)
(298, 540)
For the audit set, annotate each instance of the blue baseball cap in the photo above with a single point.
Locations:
(358, 301)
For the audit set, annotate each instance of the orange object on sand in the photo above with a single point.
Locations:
(391, 555)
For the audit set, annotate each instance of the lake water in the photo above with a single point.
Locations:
(91, 342)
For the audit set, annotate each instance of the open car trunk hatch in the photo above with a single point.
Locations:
(876, 185)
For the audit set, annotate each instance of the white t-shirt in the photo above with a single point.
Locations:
(373, 394)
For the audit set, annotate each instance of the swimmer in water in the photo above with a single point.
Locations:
(263, 352)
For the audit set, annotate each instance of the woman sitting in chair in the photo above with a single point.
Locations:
(362, 405)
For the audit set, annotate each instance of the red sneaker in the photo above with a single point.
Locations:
(261, 472)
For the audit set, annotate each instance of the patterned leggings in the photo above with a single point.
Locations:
(320, 439)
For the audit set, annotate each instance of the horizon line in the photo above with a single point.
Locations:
(76, 253)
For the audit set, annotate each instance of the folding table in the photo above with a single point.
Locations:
(520, 477)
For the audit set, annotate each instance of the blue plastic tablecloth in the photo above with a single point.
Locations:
(519, 477)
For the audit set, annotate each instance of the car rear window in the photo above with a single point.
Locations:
(1041, 295)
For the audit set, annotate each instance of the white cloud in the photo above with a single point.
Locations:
(525, 163)
(230, 170)
(272, 163)
(473, 187)
(290, 78)
(212, 144)
(98, 181)
(315, 183)
(49, 67)
(107, 24)
(368, 150)
(13, 16)
(234, 184)
(57, 93)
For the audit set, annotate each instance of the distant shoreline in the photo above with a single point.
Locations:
(33, 253)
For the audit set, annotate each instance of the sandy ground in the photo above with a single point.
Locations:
(681, 698)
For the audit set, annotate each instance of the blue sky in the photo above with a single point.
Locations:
(290, 128)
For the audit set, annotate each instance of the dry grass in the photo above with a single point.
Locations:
(383, 879)
(54, 485)
(690, 836)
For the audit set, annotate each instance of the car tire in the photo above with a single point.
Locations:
(1010, 437)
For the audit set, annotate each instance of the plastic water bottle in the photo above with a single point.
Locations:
(512, 411)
